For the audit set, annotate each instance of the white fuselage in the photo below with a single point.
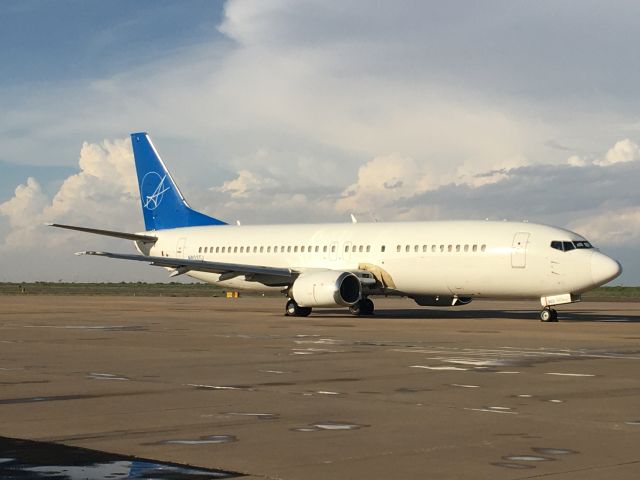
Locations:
(464, 258)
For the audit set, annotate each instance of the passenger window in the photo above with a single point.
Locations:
(424, 248)
(346, 248)
(324, 249)
(199, 249)
(354, 249)
(268, 249)
(475, 248)
(466, 248)
(383, 248)
(302, 249)
(450, 248)
(433, 248)
(333, 248)
(483, 248)
(368, 248)
(399, 248)
(416, 248)
(441, 248)
(289, 249)
(217, 249)
(457, 248)
(261, 249)
(255, 249)
(317, 248)
(407, 248)
(568, 246)
(361, 248)
(241, 249)
(235, 249)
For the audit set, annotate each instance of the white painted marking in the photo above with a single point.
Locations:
(464, 386)
(213, 387)
(437, 368)
(556, 401)
(488, 410)
(105, 376)
(571, 374)
(272, 371)
(509, 372)
(525, 396)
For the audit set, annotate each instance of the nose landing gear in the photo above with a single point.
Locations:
(548, 315)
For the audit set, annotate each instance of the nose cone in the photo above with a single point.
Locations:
(603, 268)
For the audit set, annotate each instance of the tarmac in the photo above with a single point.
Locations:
(482, 391)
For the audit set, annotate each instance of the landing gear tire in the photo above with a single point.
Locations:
(294, 310)
(548, 315)
(364, 306)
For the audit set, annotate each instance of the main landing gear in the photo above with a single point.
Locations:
(364, 306)
(548, 315)
(294, 310)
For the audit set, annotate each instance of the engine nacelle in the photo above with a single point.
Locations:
(441, 301)
(326, 288)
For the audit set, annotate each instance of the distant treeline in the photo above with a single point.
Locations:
(176, 289)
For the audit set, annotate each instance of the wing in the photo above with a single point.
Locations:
(271, 276)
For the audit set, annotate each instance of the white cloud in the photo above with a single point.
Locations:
(245, 185)
(613, 227)
(103, 193)
(623, 151)
(23, 212)
(576, 161)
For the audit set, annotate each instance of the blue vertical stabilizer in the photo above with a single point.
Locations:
(163, 205)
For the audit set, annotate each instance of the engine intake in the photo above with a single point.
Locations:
(327, 288)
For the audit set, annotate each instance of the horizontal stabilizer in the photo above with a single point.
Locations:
(108, 233)
(182, 265)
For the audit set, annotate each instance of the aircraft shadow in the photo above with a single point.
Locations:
(429, 314)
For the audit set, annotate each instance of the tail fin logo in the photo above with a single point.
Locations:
(152, 190)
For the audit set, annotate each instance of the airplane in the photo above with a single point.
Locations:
(435, 263)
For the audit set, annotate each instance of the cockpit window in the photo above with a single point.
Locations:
(565, 246)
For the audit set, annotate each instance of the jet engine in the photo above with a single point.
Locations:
(326, 288)
(441, 300)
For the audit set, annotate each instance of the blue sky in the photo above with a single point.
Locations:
(286, 111)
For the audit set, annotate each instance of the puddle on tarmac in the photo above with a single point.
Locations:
(527, 458)
(261, 416)
(39, 460)
(412, 390)
(219, 387)
(554, 451)
(205, 440)
(317, 427)
(106, 376)
(515, 466)
(108, 328)
(11, 401)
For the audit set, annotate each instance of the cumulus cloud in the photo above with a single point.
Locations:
(103, 193)
(623, 151)
(614, 227)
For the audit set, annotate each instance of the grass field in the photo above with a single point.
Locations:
(207, 290)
